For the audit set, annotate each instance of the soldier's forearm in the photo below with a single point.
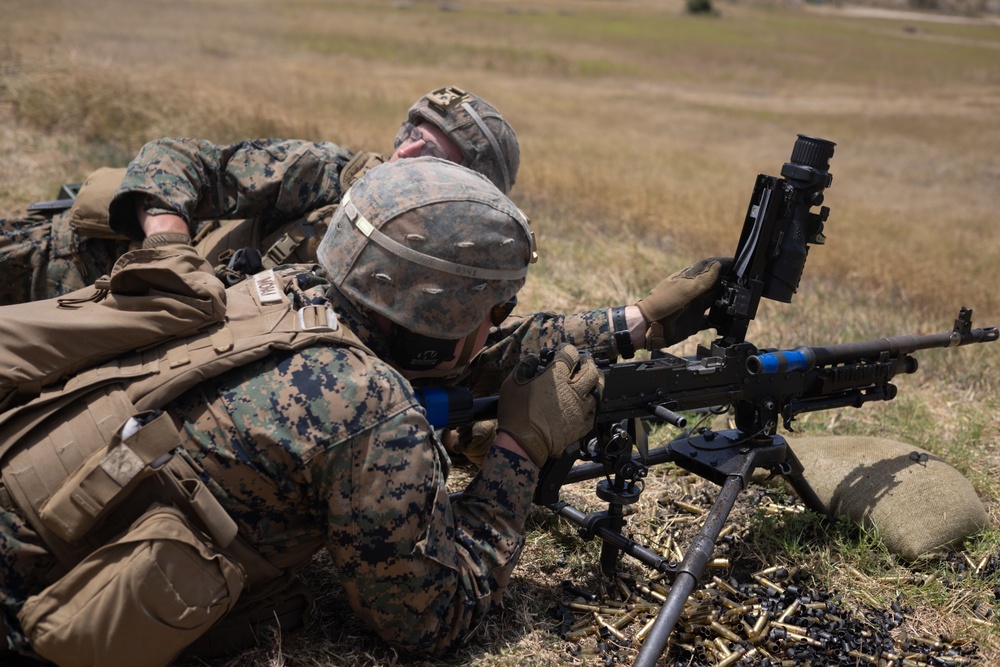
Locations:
(161, 223)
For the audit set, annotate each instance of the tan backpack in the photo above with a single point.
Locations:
(150, 296)
(69, 465)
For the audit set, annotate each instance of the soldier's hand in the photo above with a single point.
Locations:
(545, 412)
(473, 440)
(677, 307)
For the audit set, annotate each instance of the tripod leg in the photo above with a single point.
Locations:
(690, 571)
(609, 551)
(802, 487)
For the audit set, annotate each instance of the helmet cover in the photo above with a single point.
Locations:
(429, 244)
(487, 141)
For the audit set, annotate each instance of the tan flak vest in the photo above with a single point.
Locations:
(67, 467)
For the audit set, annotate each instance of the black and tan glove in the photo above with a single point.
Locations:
(473, 440)
(545, 413)
(677, 307)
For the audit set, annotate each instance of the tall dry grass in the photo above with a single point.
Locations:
(642, 130)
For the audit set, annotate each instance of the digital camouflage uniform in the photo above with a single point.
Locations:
(277, 181)
(217, 189)
(249, 179)
(45, 255)
(327, 446)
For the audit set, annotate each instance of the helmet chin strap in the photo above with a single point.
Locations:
(465, 357)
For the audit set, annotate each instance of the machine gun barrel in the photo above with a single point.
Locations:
(808, 358)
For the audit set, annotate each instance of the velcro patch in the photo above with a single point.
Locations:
(268, 287)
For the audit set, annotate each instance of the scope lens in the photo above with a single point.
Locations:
(812, 152)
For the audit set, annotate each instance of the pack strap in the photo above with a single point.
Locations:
(185, 489)
(287, 244)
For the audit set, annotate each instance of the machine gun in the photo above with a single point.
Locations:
(762, 388)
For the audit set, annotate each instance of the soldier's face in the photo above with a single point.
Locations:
(424, 139)
(465, 351)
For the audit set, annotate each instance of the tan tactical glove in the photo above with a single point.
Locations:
(676, 308)
(544, 413)
(473, 440)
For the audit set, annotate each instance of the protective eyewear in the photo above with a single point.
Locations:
(501, 311)
(408, 132)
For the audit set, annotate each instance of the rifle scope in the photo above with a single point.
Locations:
(806, 175)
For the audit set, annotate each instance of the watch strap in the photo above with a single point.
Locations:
(621, 334)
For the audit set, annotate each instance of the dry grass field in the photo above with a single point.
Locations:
(642, 130)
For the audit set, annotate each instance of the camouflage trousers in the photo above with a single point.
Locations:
(42, 257)
(25, 564)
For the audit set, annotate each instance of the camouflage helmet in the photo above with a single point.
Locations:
(487, 141)
(429, 244)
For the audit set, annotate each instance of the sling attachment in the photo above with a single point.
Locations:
(102, 288)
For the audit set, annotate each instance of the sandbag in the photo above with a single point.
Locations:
(916, 501)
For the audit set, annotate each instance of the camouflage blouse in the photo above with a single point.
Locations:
(274, 180)
(329, 447)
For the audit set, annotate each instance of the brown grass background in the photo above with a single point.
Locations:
(642, 130)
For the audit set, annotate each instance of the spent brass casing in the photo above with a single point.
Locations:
(732, 657)
(621, 621)
(726, 602)
(646, 590)
(603, 623)
(724, 585)
(806, 639)
(644, 630)
(928, 641)
(739, 611)
(725, 632)
(623, 589)
(863, 656)
(688, 507)
(763, 581)
(760, 626)
(789, 610)
(798, 629)
(768, 570)
(575, 635)
(721, 647)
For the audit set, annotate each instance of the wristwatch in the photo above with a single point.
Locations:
(621, 334)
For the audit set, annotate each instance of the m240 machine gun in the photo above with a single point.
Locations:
(762, 388)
